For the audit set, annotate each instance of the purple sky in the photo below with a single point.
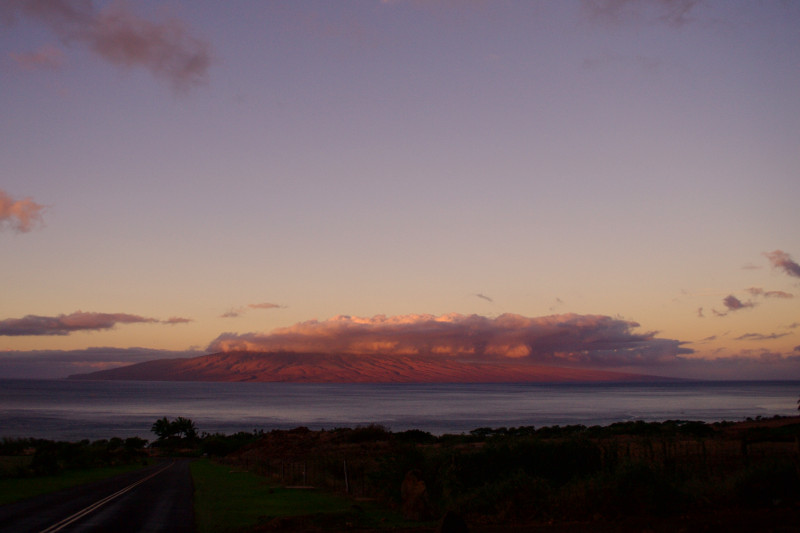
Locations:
(180, 173)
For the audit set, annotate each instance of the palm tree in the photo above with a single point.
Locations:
(163, 428)
(185, 427)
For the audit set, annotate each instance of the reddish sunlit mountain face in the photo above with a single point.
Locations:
(347, 368)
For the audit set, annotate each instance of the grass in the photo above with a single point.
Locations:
(13, 489)
(228, 499)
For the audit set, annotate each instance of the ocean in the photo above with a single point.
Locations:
(76, 410)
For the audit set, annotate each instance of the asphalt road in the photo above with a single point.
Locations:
(157, 498)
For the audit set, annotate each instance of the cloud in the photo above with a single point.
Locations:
(758, 291)
(484, 297)
(34, 325)
(734, 304)
(19, 215)
(760, 336)
(557, 339)
(176, 320)
(56, 364)
(782, 260)
(700, 312)
(118, 36)
(45, 57)
(671, 12)
(265, 305)
(239, 311)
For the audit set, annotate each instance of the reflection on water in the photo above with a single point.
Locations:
(74, 410)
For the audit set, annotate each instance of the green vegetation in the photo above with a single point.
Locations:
(13, 489)
(40, 457)
(29, 467)
(530, 475)
(230, 499)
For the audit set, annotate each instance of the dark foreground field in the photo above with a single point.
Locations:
(634, 476)
(671, 476)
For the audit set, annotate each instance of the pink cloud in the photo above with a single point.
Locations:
(166, 49)
(782, 260)
(66, 324)
(561, 339)
(46, 57)
(20, 215)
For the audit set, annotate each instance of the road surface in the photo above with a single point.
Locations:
(157, 498)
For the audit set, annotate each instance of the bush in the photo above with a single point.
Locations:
(770, 484)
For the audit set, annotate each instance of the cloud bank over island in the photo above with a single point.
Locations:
(558, 339)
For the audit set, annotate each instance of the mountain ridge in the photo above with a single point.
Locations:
(300, 367)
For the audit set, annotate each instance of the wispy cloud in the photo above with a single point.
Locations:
(176, 320)
(758, 291)
(45, 57)
(484, 297)
(19, 215)
(35, 325)
(239, 311)
(760, 336)
(166, 49)
(557, 339)
(264, 305)
(782, 260)
(671, 12)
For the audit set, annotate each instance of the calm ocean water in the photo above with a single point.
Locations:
(75, 410)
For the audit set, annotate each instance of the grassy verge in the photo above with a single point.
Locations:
(227, 499)
(13, 489)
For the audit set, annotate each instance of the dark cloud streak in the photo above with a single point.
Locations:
(35, 325)
(671, 12)
(734, 304)
(118, 36)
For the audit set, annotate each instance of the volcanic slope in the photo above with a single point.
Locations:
(348, 368)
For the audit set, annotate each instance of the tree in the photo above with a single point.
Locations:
(184, 427)
(181, 427)
(162, 428)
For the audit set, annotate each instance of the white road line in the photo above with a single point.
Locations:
(80, 514)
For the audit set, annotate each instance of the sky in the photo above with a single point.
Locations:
(601, 183)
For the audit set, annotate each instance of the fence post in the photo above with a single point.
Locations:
(346, 480)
